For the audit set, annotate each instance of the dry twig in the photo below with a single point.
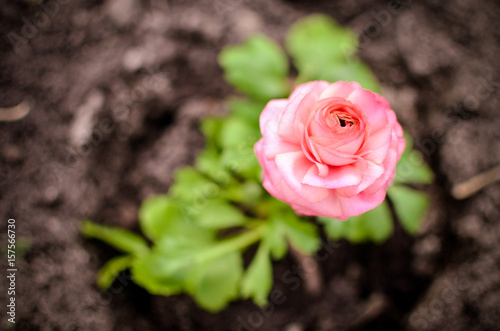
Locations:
(475, 184)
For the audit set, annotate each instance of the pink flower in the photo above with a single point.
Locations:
(329, 149)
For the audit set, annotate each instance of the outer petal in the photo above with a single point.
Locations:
(337, 177)
(275, 184)
(370, 173)
(389, 164)
(307, 87)
(272, 111)
(293, 167)
(398, 130)
(360, 203)
(376, 145)
(340, 89)
(272, 142)
(342, 208)
(270, 175)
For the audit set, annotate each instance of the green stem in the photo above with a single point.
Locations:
(234, 244)
(121, 239)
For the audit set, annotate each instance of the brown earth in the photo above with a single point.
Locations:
(116, 89)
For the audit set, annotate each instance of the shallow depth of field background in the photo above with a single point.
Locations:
(115, 89)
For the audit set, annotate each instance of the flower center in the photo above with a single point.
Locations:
(344, 120)
(339, 119)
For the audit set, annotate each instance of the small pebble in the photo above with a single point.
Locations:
(51, 194)
(294, 327)
(11, 153)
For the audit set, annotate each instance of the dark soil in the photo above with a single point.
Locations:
(116, 90)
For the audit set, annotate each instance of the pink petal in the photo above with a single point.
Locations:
(331, 156)
(307, 87)
(370, 173)
(383, 101)
(337, 177)
(340, 89)
(323, 169)
(375, 111)
(308, 148)
(398, 131)
(360, 203)
(298, 110)
(271, 178)
(342, 208)
(390, 168)
(293, 167)
(376, 145)
(271, 111)
(273, 144)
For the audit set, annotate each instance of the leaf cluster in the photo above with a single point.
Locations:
(196, 234)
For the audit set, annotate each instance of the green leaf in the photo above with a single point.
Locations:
(184, 246)
(374, 225)
(379, 223)
(238, 138)
(258, 278)
(210, 127)
(353, 71)
(258, 68)
(166, 268)
(317, 42)
(215, 282)
(122, 240)
(412, 168)
(302, 235)
(247, 110)
(185, 263)
(335, 229)
(410, 206)
(108, 273)
(161, 217)
(248, 192)
(185, 179)
(159, 274)
(192, 190)
(209, 163)
(236, 133)
(242, 162)
(219, 214)
(156, 215)
(188, 262)
(275, 239)
(323, 50)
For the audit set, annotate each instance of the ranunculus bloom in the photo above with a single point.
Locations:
(329, 149)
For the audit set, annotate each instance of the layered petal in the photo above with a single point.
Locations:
(340, 89)
(376, 145)
(331, 156)
(272, 142)
(272, 111)
(374, 110)
(337, 177)
(298, 109)
(293, 167)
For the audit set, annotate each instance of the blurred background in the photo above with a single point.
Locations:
(99, 104)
